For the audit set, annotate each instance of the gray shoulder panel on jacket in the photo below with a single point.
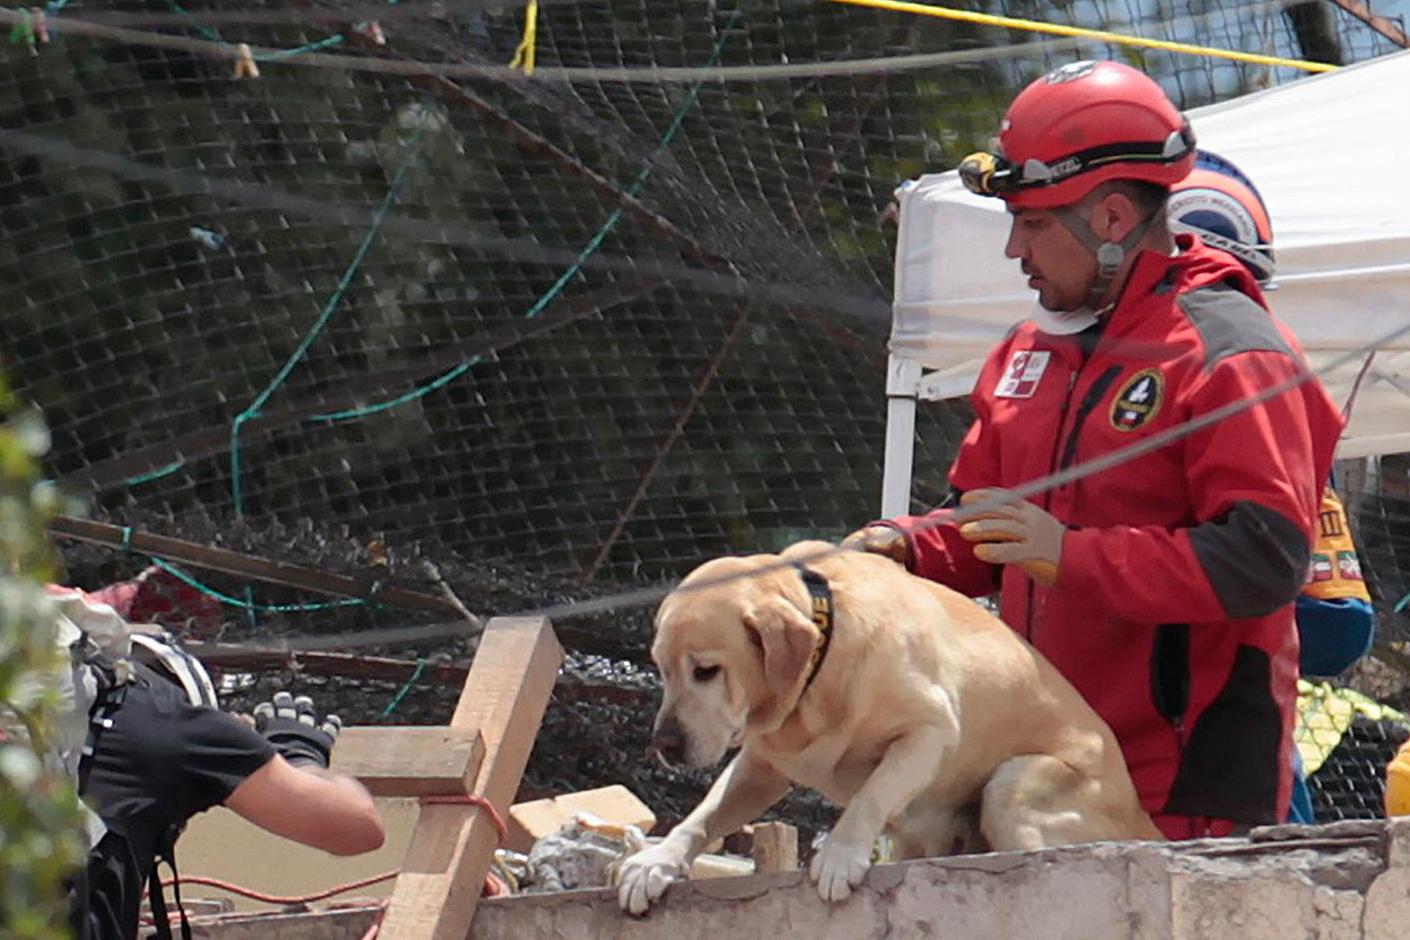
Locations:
(1230, 322)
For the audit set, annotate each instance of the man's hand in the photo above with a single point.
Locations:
(1015, 533)
(880, 540)
(292, 726)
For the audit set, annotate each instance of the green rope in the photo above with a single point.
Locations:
(1403, 603)
(278, 54)
(343, 284)
(274, 56)
(201, 28)
(156, 474)
(226, 599)
(251, 610)
(22, 32)
(402, 399)
(588, 251)
(252, 411)
(405, 689)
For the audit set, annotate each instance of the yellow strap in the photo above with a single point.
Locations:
(524, 52)
(1035, 26)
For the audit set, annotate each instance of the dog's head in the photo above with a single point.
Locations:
(733, 644)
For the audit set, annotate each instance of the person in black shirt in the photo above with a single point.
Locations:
(158, 760)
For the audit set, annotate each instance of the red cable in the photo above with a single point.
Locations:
(471, 799)
(374, 928)
(494, 886)
(254, 895)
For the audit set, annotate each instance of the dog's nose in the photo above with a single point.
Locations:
(669, 740)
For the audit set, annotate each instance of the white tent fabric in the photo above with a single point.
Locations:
(1331, 157)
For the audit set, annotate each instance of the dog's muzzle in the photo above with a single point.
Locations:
(668, 742)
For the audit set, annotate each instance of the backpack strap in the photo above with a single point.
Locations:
(161, 921)
(112, 689)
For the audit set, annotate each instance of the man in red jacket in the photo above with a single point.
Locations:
(1162, 587)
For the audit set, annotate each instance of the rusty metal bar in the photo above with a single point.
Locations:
(1382, 24)
(701, 386)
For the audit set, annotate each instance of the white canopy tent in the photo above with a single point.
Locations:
(1330, 156)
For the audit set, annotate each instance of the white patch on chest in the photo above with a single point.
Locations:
(1022, 374)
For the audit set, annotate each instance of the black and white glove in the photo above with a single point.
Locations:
(292, 726)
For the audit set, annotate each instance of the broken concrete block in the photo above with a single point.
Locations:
(1387, 911)
(614, 805)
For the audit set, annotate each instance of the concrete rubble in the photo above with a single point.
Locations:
(1345, 881)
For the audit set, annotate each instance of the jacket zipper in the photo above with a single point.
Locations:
(1069, 446)
(1047, 494)
(1089, 402)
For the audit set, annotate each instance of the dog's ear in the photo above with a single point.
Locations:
(786, 640)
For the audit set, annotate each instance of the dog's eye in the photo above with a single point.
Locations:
(706, 673)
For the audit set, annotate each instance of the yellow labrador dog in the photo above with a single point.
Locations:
(898, 699)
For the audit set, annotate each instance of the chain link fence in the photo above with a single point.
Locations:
(561, 336)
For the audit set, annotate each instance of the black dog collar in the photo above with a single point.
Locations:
(821, 596)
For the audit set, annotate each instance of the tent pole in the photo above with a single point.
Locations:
(902, 381)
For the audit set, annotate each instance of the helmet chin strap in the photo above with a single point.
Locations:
(1109, 254)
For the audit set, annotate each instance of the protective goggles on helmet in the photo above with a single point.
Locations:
(988, 174)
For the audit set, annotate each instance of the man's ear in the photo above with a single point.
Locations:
(1115, 216)
(786, 640)
(1104, 217)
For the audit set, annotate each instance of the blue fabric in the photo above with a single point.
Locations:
(1300, 811)
(1333, 633)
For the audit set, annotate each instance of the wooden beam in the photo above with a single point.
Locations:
(505, 694)
(775, 847)
(248, 566)
(404, 762)
(620, 642)
(230, 657)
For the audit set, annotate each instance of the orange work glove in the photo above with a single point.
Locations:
(1014, 533)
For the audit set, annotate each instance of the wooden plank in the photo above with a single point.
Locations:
(231, 656)
(505, 695)
(410, 761)
(775, 847)
(249, 566)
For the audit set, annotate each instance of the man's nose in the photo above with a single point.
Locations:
(1013, 248)
(668, 739)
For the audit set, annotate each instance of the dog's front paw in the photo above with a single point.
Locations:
(643, 877)
(838, 867)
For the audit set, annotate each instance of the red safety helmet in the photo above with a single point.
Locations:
(1079, 126)
(1221, 205)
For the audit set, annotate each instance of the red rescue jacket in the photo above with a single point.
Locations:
(1172, 613)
